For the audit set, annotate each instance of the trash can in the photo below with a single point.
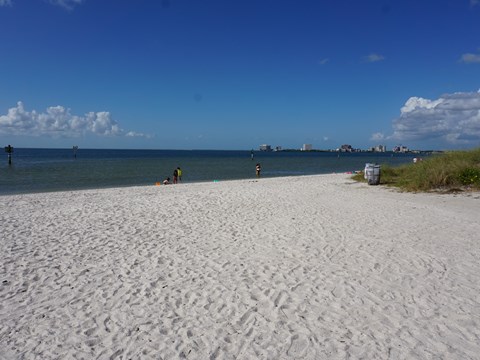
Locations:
(367, 165)
(372, 174)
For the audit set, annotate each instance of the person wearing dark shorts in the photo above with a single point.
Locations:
(175, 176)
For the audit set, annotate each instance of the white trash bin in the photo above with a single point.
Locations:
(372, 174)
(367, 166)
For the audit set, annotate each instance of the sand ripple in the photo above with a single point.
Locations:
(312, 267)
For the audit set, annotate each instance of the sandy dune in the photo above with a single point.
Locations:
(315, 267)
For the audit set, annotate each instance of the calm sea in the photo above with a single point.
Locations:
(39, 170)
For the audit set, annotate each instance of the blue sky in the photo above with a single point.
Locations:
(230, 74)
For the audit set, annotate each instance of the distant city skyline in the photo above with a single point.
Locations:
(230, 75)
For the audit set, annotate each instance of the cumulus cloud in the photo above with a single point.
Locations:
(58, 121)
(5, 3)
(454, 118)
(470, 58)
(373, 58)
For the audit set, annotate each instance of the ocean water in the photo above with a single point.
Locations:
(41, 170)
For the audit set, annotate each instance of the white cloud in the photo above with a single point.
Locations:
(453, 118)
(67, 4)
(323, 61)
(373, 58)
(474, 2)
(137, 134)
(377, 137)
(58, 121)
(470, 58)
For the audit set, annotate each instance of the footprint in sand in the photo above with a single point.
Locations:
(298, 346)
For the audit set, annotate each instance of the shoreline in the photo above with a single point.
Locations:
(154, 183)
(315, 266)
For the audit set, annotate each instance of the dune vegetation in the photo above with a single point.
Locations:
(449, 171)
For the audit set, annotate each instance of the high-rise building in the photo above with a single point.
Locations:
(400, 149)
(345, 148)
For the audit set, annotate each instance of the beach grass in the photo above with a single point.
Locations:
(449, 171)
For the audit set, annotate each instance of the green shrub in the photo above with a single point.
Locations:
(447, 171)
(470, 176)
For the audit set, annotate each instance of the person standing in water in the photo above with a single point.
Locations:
(258, 168)
(179, 173)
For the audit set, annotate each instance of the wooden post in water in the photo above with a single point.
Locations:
(9, 151)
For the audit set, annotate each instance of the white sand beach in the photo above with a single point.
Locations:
(314, 267)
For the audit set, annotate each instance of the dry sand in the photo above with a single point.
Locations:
(314, 267)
